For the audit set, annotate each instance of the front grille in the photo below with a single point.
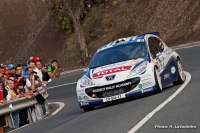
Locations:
(113, 89)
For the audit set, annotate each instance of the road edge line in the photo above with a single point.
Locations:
(147, 117)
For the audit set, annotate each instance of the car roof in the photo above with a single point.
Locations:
(137, 38)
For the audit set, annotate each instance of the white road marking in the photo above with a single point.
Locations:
(146, 118)
(61, 104)
(62, 85)
(183, 47)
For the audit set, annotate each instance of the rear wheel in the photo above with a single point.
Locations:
(88, 108)
(157, 80)
(181, 75)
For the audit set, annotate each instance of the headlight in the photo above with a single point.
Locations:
(86, 81)
(141, 68)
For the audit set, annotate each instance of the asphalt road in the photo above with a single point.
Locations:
(183, 110)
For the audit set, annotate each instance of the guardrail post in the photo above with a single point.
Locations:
(30, 119)
(10, 121)
(47, 106)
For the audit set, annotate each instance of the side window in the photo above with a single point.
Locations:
(154, 46)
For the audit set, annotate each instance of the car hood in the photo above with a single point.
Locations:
(112, 73)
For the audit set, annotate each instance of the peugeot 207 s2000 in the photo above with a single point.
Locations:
(128, 67)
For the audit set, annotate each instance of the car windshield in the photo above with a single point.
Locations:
(124, 52)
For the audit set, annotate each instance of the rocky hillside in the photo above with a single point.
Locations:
(26, 29)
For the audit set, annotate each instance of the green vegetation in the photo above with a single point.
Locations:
(58, 11)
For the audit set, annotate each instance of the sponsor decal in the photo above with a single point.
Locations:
(110, 71)
(162, 58)
(136, 61)
(116, 64)
(80, 98)
(111, 87)
(166, 76)
(173, 70)
(140, 86)
(158, 59)
(147, 90)
(84, 103)
(145, 84)
(173, 56)
(157, 63)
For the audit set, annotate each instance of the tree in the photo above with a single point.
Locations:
(74, 9)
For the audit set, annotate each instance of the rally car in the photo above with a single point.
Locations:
(128, 67)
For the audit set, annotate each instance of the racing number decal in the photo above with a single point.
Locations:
(112, 98)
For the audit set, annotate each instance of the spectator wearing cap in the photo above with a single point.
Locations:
(54, 69)
(38, 68)
(11, 70)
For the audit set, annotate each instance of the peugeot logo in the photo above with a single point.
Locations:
(111, 77)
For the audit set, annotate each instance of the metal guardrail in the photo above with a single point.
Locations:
(22, 103)
(18, 104)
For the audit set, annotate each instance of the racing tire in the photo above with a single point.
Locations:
(181, 75)
(86, 109)
(158, 81)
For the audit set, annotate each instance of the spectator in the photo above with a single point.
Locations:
(23, 112)
(11, 71)
(38, 69)
(18, 70)
(2, 118)
(11, 96)
(31, 63)
(54, 69)
(31, 58)
(46, 79)
(28, 72)
(32, 83)
(18, 73)
(1, 70)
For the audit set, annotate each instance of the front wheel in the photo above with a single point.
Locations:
(157, 80)
(181, 75)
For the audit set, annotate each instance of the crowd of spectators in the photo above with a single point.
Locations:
(28, 81)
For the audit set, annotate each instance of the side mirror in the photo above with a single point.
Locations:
(158, 54)
(85, 70)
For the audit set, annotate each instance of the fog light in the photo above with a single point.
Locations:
(94, 96)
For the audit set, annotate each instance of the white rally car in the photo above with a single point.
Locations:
(128, 67)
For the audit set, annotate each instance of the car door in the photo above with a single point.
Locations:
(157, 53)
